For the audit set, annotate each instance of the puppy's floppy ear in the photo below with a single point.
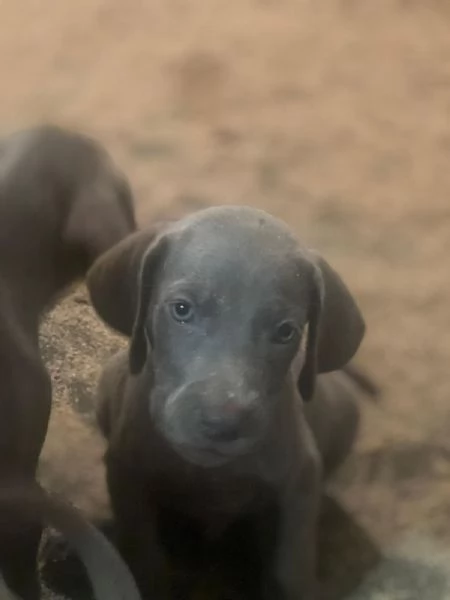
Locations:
(150, 262)
(113, 280)
(307, 378)
(342, 325)
(335, 326)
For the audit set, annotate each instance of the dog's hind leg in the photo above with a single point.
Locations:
(25, 402)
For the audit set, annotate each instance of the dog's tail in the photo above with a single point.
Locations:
(364, 381)
(110, 577)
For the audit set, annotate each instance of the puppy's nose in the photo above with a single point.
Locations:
(223, 425)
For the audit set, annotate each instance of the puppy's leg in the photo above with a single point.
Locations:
(136, 530)
(294, 574)
(25, 403)
(131, 502)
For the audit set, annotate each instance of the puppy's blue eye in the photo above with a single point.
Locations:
(284, 333)
(182, 311)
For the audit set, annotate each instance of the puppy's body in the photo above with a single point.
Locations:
(62, 203)
(206, 427)
(210, 499)
(171, 514)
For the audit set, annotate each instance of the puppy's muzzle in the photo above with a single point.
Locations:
(211, 417)
(226, 420)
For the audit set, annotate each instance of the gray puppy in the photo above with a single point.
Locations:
(231, 320)
(62, 203)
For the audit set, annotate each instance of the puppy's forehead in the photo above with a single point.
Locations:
(231, 243)
(230, 228)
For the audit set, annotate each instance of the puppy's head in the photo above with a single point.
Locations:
(226, 302)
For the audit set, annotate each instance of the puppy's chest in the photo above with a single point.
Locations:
(211, 502)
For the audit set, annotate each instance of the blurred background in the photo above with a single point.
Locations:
(333, 115)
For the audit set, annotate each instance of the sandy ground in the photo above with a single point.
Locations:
(332, 115)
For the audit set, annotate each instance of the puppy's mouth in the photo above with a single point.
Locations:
(203, 457)
(209, 455)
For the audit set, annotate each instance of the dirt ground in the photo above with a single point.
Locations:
(332, 115)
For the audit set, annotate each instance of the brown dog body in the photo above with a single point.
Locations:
(62, 203)
(210, 445)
